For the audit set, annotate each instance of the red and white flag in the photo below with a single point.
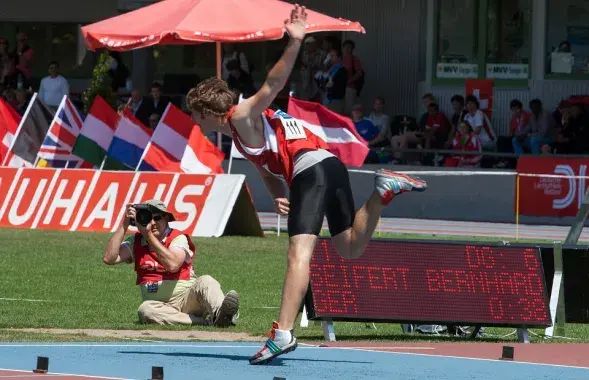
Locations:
(336, 130)
(178, 145)
(9, 121)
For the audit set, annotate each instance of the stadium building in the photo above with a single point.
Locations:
(411, 47)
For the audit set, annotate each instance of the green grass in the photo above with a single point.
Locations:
(80, 292)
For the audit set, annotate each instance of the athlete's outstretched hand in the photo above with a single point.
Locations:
(282, 206)
(295, 26)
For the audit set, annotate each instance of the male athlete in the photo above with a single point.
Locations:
(281, 148)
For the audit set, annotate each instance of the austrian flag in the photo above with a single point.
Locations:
(177, 145)
(337, 131)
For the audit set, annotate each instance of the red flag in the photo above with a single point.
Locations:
(177, 145)
(336, 130)
(9, 121)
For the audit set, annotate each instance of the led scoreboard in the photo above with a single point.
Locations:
(430, 282)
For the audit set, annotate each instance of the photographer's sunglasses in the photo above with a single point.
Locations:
(158, 217)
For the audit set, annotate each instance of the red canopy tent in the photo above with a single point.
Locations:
(181, 22)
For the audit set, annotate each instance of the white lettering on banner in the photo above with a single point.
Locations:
(127, 198)
(172, 188)
(141, 191)
(187, 207)
(550, 186)
(69, 204)
(457, 70)
(46, 198)
(86, 201)
(576, 189)
(507, 71)
(109, 198)
(10, 192)
(13, 216)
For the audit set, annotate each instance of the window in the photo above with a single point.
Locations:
(484, 39)
(457, 39)
(509, 39)
(567, 38)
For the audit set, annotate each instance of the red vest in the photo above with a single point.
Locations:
(284, 137)
(150, 270)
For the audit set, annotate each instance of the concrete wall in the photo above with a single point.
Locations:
(482, 198)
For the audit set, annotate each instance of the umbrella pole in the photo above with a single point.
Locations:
(219, 61)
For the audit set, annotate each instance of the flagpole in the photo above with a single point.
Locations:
(103, 162)
(5, 160)
(230, 159)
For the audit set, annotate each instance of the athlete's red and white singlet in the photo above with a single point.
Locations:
(284, 137)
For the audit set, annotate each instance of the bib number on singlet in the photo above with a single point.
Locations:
(293, 128)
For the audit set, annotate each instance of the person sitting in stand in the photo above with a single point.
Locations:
(468, 141)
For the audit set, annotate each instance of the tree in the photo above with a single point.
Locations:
(101, 84)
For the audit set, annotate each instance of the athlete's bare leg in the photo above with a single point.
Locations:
(350, 244)
(296, 280)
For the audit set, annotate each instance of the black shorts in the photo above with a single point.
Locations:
(319, 191)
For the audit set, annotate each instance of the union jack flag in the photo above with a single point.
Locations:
(56, 150)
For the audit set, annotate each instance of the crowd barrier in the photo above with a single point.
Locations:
(92, 200)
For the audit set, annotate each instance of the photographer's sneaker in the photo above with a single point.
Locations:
(390, 184)
(279, 343)
(227, 313)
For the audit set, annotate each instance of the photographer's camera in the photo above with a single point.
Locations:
(143, 215)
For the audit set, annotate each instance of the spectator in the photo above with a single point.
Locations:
(172, 294)
(559, 112)
(437, 127)
(468, 141)
(311, 63)
(23, 55)
(406, 133)
(4, 46)
(156, 103)
(330, 43)
(154, 120)
(427, 99)
(239, 81)
(480, 123)
(355, 75)
(541, 130)
(573, 137)
(12, 77)
(9, 96)
(231, 54)
(53, 87)
(381, 121)
(334, 83)
(22, 100)
(135, 105)
(365, 128)
(520, 119)
(117, 70)
(458, 114)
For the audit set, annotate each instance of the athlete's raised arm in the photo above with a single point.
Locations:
(278, 76)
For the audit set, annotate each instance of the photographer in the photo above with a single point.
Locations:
(172, 294)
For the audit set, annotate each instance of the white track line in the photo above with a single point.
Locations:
(23, 300)
(459, 357)
(51, 374)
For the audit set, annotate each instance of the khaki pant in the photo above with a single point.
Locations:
(198, 305)
(351, 96)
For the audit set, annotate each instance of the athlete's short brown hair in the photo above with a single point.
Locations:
(211, 97)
